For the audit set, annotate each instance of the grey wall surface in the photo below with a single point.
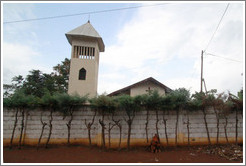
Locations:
(79, 131)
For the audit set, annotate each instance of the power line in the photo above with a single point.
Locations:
(224, 57)
(217, 27)
(84, 13)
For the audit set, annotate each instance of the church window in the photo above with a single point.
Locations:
(82, 52)
(82, 74)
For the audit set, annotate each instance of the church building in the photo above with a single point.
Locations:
(145, 86)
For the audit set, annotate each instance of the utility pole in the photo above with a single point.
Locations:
(205, 86)
(201, 69)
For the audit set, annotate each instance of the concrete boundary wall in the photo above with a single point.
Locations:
(79, 132)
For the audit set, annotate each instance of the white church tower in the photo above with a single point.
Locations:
(86, 46)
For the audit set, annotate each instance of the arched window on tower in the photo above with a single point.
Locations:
(82, 74)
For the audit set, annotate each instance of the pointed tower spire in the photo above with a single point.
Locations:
(89, 18)
(85, 30)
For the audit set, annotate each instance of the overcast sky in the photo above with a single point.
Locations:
(163, 42)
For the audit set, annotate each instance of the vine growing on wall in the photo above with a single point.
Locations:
(166, 106)
(118, 124)
(151, 102)
(110, 127)
(49, 102)
(24, 103)
(10, 104)
(130, 105)
(104, 104)
(218, 105)
(199, 101)
(68, 104)
(177, 100)
(19, 102)
(88, 126)
(236, 105)
(42, 130)
(190, 106)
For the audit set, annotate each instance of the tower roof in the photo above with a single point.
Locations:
(85, 30)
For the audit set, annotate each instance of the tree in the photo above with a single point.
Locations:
(103, 104)
(33, 85)
(179, 99)
(152, 102)
(110, 127)
(19, 80)
(218, 105)
(51, 103)
(211, 101)
(62, 75)
(111, 111)
(68, 104)
(200, 100)
(8, 90)
(8, 103)
(145, 101)
(222, 111)
(38, 83)
(236, 105)
(23, 102)
(42, 130)
(225, 113)
(130, 105)
(189, 107)
(88, 126)
(118, 124)
(17, 83)
(166, 105)
(145, 104)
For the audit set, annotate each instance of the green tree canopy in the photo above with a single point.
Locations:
(152, 101)
(50, 101)
(38, 83)
(20, 100)
(104, 103)
(129, 104)
(68, 102)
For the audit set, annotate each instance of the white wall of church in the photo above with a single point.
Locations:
(143, 89)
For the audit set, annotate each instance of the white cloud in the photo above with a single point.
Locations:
(178, 32)
(19, 59)
(190, 83)
(20, 42)
(16, 12)
(223, 75)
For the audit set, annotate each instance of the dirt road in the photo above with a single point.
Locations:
(81, 154)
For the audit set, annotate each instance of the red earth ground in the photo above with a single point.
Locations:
(82, 154)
